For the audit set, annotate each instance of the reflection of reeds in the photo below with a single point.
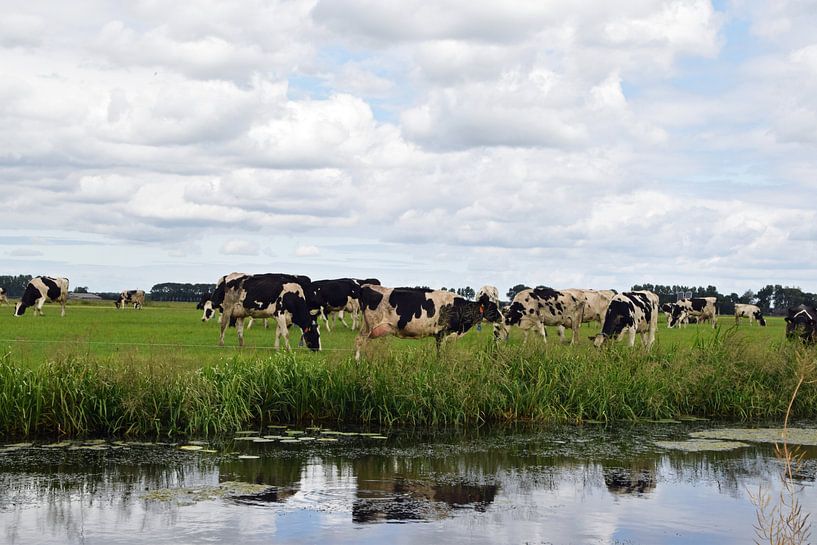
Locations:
(783, 522)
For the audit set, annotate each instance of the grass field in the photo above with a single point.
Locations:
(100, 371)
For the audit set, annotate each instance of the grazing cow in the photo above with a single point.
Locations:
(279, 296)
(666, 308)
(41, 289)
(802, 321)
(337, 295)
(595, 303)
(536, 308)
(749, 311)
(413, 313)
(205, 304)
(631, 312)
(3, 299)
(701, 308)
(131, 297)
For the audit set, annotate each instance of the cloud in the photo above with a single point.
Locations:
(239, 247)
(24, 252)
(307, 250)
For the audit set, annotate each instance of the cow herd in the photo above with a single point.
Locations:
(287, 300)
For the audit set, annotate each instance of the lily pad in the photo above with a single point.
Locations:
(701, 445)
(246, 438)
(795, 436)
(248, 457)
(191, 447)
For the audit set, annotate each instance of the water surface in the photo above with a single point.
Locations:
(562, 485)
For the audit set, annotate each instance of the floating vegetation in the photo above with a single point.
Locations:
(61, 444)
(188, 496)
(191, 447)
(701, 445)
(246, 438)
(796, 436)
(248, 457)
(290, 441)
(664, 421)
(686, 418)
(295, 432)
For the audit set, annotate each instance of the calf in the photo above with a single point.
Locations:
(802, 321)
(131, 297)
(536, 308)
(267, 296)
(3, 299)
(749, 311)
(701, 308)
(413, 313)
(41, 289)
(631, 312)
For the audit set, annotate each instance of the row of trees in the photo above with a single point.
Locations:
(176, 291)
(772, 299)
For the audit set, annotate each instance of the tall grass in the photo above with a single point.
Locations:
(719, 377)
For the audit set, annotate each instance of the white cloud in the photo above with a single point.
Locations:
(307, 250)
(239, 247)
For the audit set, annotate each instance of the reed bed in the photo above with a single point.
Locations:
(718, 376)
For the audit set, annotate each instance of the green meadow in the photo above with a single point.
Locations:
(159, 371)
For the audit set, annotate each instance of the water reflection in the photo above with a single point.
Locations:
(563, 486)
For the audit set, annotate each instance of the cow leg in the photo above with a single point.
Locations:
(342, 320)
(360, 341)
(631, 337)
(38, 309)
(223, 323)
(281, 330)
(62, 308)
(561, 330)
(239, 327)
(326, 320)
(250, 322)
(541, 328)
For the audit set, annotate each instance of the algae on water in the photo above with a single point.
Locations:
(701, 445)
(796, 436)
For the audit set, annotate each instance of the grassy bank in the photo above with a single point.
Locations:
(717, 375)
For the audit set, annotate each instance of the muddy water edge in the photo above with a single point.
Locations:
(640, 483)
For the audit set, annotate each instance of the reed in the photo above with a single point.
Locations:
(720, 376)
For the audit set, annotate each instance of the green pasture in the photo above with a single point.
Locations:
(174, 334)
(159, 371)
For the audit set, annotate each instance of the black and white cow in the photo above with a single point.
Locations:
(630, 312)
(279, 296)
(131, 297)
(3, 299)
(595, 302)
(205, 304)
(801, 322)
(700, 308)
(666, 308)
(337, 296)
(41, 289)
(536, 308)
(749, 311)
(413, 313)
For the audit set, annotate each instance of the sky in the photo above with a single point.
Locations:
(449, 143)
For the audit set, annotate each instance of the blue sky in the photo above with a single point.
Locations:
(444, 144)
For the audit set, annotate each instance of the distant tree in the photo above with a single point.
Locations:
(467, 292)
(514, 290)
(81, 289)
(748, 298)
(175, 291)
(764, 298)
(15, 285)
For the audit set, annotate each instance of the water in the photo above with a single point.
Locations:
(562, 485)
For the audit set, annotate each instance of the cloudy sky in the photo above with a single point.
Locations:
(446, 143)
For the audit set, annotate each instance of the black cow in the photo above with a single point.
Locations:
(41, 289)
(281, 296)
(337, 295)
(630, 312)
(802, 321)
(414, 313)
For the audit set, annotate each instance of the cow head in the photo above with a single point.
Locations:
(760, 319)
(312, 335)
(489, 310)
(20, 309)
(802, 322)
(118, 303)
(598, 340)
(677, 316)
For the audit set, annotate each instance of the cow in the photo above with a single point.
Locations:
(701, 308)
(413, 313)
(3, 299)
(536, 308)
(205, 304)
(631, 312)
(131, 297)
(41, 289)
(749, 311)
(802, 321)
(492, 293)
(666, 308)
(337, 295)
(595, 302)
(280, 296)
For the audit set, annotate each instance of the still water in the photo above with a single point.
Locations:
(562, 485)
